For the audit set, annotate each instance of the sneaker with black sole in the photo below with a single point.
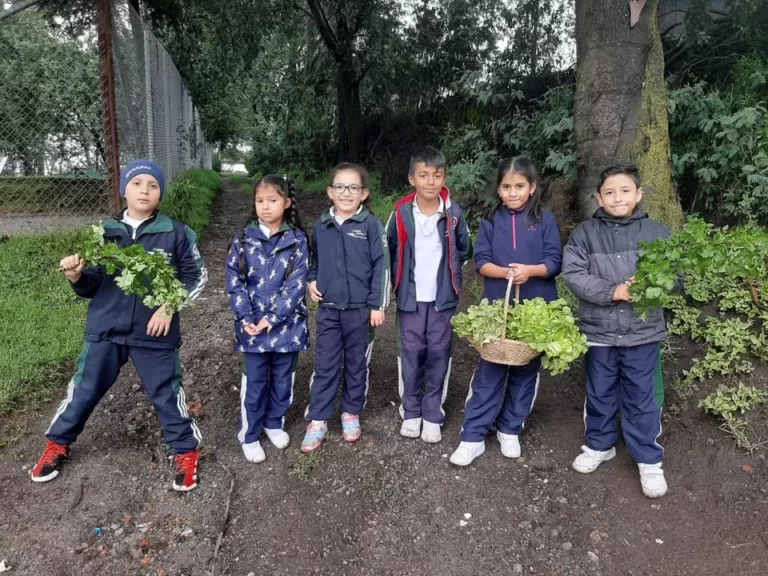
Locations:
(186, 471)
(49, 464)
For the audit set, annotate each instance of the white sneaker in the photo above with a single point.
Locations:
(510, 444)
(254, 452)
(589, 459)
(411, 428)
(467, 452)
(430, 433)
(278, 437)
(652, 480)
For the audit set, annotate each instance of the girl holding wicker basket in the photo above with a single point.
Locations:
(518, 244)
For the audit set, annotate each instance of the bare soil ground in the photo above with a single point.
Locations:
(385, 506)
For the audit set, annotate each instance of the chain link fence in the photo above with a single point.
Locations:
(156, 117)
(73, 110)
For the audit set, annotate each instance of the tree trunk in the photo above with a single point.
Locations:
(621, 103)
(350, 113)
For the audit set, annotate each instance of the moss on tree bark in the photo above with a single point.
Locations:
(621, 103)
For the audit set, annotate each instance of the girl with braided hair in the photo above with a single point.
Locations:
(266, 282)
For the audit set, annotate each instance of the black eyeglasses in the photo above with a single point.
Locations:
(354, 189)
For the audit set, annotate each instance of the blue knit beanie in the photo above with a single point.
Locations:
(141, 166)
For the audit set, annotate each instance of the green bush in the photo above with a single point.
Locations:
(189, 199)
(45, 315)
(720, 148)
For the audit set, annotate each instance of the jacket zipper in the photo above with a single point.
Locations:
(514, 231)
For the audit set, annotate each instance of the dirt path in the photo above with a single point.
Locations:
(385, 506)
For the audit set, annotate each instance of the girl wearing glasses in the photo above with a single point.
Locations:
(349, 279)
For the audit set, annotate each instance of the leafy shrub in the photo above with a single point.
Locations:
(544, 132)
(189, 198)
(720, 150)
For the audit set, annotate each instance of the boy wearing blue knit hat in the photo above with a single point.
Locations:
(119, 327)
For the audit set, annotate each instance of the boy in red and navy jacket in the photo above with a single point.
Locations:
(429, 242)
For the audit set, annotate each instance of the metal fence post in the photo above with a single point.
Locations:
(108, 106)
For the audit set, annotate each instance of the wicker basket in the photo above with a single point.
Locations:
(504, 351)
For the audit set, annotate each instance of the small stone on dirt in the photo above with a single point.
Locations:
(595, 536)
(462, 523)
(659, 541)
(593, 557)
(567, 546)
(517, 569)
(467, 515)
(187, 533)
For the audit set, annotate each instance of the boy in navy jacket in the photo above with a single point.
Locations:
(119, 327)
(429, 242)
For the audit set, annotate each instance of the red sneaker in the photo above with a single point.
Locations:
(49, 465)
(186, 467)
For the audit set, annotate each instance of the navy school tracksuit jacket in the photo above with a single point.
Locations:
(115, 317)
(457, 249)
(351, 262)
(272, 287)
(511, 239)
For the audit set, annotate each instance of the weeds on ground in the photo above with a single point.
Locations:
(729, 403)
(304, 464)
(42, 316)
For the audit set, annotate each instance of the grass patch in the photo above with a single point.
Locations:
(247, 188)
(43, 318)
(382, 206)
(313, 185)
(237, 179)
(304, 464)
(189, 198)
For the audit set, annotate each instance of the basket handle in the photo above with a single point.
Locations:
(510, 282)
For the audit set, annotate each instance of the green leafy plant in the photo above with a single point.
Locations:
(138, 272)
(189, 199)
(710, 281)
(549, 328)
(720, 147)
(729, 403)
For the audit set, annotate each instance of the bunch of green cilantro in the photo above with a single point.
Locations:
(547, 328)
(139, 273)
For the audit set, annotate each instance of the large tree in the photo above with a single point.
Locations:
(621, 102)
(352, 31)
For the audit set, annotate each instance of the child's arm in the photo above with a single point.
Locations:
(463, 240)
(238, 294)
(191, 269)
(391, 230)
(85, 282)
(484, 254)
(312, 270)
(294, 287)
(584, 285)
(553, 246)
(378, 299)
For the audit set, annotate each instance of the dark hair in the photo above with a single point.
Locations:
(630, 170)
(428, 156)
(522, 165)
(287, 189)
(351, 167)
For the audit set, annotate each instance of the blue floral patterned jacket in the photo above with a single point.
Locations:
(271, 285)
